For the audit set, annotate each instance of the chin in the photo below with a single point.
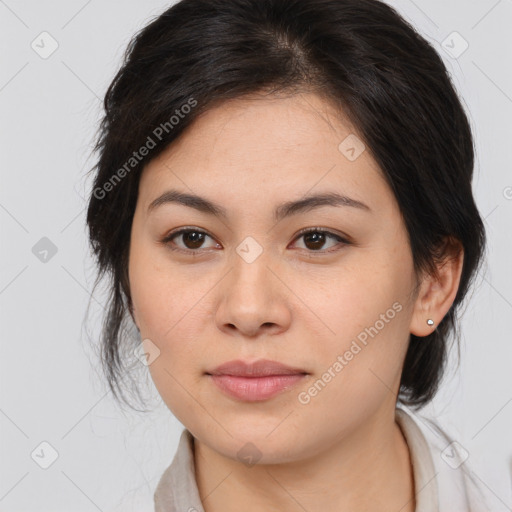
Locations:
(256, 444)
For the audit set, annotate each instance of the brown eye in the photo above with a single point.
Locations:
(191, 240)
(315, 239)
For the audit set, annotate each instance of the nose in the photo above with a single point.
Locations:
(253, 300)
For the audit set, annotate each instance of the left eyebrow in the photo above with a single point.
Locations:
(286, 209)
(316, 201)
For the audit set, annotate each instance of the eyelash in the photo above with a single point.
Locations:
(168, 239)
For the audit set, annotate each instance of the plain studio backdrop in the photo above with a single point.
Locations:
(55, 410)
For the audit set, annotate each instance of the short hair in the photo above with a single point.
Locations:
(361, 56)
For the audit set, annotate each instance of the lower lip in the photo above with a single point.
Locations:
(252, 389)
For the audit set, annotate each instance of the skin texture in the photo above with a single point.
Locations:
(293, 304)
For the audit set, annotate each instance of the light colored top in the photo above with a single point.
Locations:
(443, 480)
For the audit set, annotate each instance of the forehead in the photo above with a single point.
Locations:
(270, 146)
(254, 125)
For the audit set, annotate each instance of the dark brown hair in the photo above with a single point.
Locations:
(360, 55)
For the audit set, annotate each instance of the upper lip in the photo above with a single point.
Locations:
(262, 367)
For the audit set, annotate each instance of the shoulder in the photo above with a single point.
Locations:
(458, 487)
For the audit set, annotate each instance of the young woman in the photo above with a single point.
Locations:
(283, 205)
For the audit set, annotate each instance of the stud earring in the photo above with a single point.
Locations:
(430, 322)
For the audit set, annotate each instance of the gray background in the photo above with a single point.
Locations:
(51, 387)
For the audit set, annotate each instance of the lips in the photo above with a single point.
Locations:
(260, 368)
(258, 381)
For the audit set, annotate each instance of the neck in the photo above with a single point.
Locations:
(368, 470)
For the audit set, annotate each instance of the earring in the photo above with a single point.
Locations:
(430, 322)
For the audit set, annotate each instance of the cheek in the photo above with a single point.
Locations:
(358, 367)
(347, 301)
(173, 310)
(162, 294)
(171, 314)
(363, 316)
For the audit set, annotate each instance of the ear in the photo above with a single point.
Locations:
(437, 293)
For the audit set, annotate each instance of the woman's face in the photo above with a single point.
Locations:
(254, 288)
